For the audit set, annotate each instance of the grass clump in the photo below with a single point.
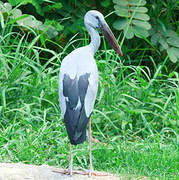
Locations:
(135, 120)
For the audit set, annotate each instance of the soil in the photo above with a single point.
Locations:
(20, 171)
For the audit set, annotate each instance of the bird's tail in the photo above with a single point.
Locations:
(76, 123)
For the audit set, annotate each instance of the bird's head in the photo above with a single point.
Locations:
(95, 20)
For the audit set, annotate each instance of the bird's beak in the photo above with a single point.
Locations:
(106, 31)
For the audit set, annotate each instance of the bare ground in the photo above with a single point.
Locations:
(20, 171)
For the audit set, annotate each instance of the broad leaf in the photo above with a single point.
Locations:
(142, 24)
(121, 11)
(121, 2)
(130, 2)
(141, 16)
(137, 2)
(163, 43)
(171, 33)
(155, 38)
(140, 31)
(120, 24)
(139, 9)
(30, 21)
(129, 34)
(174, 41)
(49, 30)
(16, 13)
(173, 54)
(7, 6)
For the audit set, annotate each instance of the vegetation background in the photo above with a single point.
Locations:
(135, 122)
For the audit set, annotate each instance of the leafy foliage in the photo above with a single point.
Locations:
(155, 22)
(72, 14)
(50, 27)
(168, 42)
(37, 5)
(135, 20)
(163, 31)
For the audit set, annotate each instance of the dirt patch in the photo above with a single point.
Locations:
(19, 171)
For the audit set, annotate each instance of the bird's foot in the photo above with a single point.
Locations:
(96, 173)
(63, 171)
(89, 173)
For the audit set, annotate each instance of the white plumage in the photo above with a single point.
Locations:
(78, 63)
(78, 82)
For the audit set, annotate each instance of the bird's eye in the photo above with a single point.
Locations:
(97, 17)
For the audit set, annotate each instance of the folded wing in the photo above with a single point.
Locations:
(75, 117)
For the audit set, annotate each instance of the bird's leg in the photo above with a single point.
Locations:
(69, 170)
(91, 171)
(70, 161)
(90, 153)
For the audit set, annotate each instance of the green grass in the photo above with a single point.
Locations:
(136, 115)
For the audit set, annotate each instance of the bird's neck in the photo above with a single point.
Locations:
(95, 38)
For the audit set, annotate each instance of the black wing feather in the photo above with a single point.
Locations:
(70, 90)
(75, 117)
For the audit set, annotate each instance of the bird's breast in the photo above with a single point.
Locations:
(79, 62)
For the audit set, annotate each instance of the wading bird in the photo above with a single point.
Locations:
(78, 83)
